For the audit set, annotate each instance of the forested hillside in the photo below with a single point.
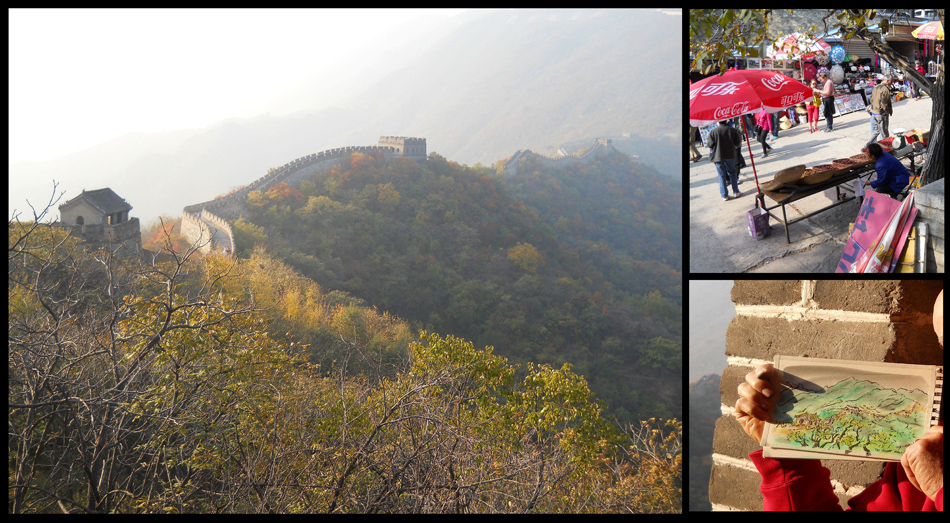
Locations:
(177, 384)
(576, 265)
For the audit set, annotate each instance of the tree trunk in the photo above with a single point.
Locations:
(934, 162)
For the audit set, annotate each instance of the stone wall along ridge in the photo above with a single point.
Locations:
(598, 147)
(229, 207)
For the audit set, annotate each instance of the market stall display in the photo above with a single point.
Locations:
(837, 54)
(784, 177)
(812, 177)
(845, 165)
(862, 159)
(819, 178)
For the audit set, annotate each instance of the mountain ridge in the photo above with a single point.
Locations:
(489, 88)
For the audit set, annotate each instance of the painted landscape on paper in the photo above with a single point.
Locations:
(851, 417)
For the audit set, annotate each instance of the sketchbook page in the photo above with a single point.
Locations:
(770, 452)
(841, 409)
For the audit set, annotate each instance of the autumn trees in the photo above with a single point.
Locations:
(573, 264)
(115, 373)
(218, 384)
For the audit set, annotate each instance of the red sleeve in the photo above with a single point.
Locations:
(804, 484)
(795, 484)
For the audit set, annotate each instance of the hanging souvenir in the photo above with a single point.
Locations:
(837, 74)
(837, 54)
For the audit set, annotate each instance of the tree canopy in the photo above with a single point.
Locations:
(219, 384)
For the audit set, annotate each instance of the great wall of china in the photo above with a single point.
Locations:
(209, 223)
(599, 147)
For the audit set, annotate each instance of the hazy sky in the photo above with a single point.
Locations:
(710, 312)
(81, 77)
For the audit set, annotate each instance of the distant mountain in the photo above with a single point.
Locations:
(851, 416)
(847, 393)
(709, 318)
(514, 80)
(497, 82)
(161, 173)
(704, 410)
(662, 152)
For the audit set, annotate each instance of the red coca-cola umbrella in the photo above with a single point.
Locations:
(739, 92)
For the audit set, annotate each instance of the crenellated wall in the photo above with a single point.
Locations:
(196, 231)
(125, 237)
(210, 231)
(231, 206)
(599, 147)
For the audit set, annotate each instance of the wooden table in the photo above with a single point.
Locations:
(798, 192)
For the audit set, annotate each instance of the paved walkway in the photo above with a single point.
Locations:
(719, 239)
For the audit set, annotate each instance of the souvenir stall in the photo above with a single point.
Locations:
(929, 49)
(803, 59)
(849, 77)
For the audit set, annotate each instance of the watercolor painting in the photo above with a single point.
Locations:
(852, 416)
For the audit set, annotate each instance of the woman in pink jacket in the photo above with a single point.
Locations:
(764, 121)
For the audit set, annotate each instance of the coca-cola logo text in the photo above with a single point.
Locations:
(775, 82)
(721, 113)
(723, 88)
(792, 99)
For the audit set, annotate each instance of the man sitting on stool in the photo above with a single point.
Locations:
(892, 176)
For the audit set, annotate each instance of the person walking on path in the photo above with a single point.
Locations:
(694, 155)
(764, 122)
(812, 108)
(724, 140)
(880, 109)
(827, 92)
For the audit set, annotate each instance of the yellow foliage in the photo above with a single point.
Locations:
(526, 256)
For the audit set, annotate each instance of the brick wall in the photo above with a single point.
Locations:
(855, 320)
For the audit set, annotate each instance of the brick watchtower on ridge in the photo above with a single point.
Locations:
(403, 147)
(101, 217)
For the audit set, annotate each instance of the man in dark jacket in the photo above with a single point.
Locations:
(724, 140)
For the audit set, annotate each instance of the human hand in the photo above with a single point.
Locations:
(753, 405)
(923, 462)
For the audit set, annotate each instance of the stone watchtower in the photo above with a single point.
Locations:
(101, 217)
(403, 147)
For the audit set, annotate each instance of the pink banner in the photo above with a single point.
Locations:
(873, 217)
